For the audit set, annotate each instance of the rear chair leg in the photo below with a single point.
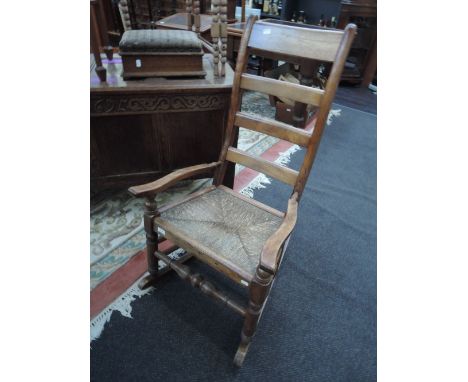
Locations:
(151, 212)
(258, 293)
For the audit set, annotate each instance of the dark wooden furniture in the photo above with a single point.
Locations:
(237, 236)
(145, 129)
(145, 13)
(99, 27)
(99, 40)
(95, 43)
(363, 55)
(112, 23)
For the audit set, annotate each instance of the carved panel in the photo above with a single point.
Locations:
(129, 104)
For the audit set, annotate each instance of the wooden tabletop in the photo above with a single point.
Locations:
(115, 82)
(179, 21)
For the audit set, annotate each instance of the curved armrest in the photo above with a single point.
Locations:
(270, 252)
(151, 189)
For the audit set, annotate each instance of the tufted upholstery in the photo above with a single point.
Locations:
(151, 40)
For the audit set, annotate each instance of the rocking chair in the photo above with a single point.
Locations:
(238, 236)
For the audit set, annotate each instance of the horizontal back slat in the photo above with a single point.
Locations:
(274, 128)
(315, 44)
(274, 170)
(301, 93)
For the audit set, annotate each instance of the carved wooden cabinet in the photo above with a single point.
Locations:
(144, 129)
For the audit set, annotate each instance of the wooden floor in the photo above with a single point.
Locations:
(357, 98)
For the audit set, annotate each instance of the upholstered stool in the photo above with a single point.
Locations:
(161, 53)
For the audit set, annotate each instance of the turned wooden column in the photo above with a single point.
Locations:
(223, 34)
(151, 211)
(215, 34)
(189, 10)
(196, 16)
(125, 15)
(219, 36)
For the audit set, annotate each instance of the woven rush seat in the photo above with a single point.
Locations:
(159, 41)
(232, 228)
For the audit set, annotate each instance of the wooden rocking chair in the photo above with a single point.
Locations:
(240, 237)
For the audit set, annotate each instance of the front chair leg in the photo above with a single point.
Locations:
(151, 244)
(258, 293)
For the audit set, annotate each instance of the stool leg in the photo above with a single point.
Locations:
(109, 51)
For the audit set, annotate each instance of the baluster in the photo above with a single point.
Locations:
(189, 9)
(125, 15)
(151, 211)
(223, 32)
(196, 16)
(215, 34)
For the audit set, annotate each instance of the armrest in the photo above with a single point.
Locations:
(270, 252)
(151, 189)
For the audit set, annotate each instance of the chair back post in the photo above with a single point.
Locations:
(324, 107)
(230, 134)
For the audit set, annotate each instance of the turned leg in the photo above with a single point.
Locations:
(223, 35)
(258, 292)
(109, 51)
(215, 35)
(189, 10)
(196, 16)
(151, 244)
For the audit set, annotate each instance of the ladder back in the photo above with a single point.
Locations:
(296, 45)
(274, 170)
(272, 127)
(300, 93)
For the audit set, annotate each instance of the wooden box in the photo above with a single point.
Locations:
(161, 53)
(285, 113)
